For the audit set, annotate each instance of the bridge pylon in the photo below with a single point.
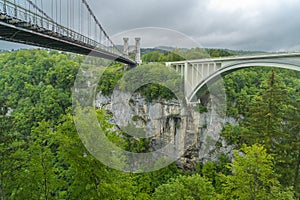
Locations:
(126, 46)
(136, 49)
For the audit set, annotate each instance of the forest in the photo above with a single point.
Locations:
(42, 156)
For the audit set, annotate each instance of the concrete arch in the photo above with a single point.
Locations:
(244, 64)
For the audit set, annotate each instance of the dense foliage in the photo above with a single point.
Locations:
(266, 104)
(153, 81)
(182, 54)
(42, 157)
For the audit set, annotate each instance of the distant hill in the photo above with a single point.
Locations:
(166, 49)
(148, 50)
(243, 52)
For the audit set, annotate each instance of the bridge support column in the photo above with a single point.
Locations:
(197, 76)
(126, 46)
(186, 77)
(138, 50)
(202, 69)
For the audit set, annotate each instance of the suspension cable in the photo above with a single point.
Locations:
(39, 9)
(97, 22)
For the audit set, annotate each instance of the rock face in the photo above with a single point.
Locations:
(196, 135)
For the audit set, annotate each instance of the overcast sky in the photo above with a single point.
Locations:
(270, 25)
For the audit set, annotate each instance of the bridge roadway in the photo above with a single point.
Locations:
(22, 26)
(197, 73)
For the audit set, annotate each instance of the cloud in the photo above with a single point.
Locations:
(155, 37)
(248, 24)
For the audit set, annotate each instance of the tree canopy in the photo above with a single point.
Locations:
(42, 156)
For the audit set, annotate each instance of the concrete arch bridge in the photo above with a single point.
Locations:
(197, 73)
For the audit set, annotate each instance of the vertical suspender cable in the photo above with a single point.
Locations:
(109, 41)
(56, 11)
(95, 32)
(35, 13)
(88, 23)
(73, 14)
(15, 10)
(82, 21)
(80, 17)
(25, 6)
(52, 11)
(29, 7)
(34, 5)
(42, 7)
(4, 6)
(68, 14)
(60, 12)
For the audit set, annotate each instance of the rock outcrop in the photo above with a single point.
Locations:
(166, 121)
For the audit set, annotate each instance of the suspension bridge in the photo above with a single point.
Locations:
(66, 25)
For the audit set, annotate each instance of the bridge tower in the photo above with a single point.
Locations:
(126, 46)
(138, 50)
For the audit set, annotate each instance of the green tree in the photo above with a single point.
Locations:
(209, 171)
(153, 57)
(293, 152)
(267, 114)
(186, 187)
(253, 176)
(40, 179)
(12, 156)
(88, 178)
(267, 122)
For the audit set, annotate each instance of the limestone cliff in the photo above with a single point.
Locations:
(163, 120)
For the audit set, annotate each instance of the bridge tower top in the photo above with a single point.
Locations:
(136, 49)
